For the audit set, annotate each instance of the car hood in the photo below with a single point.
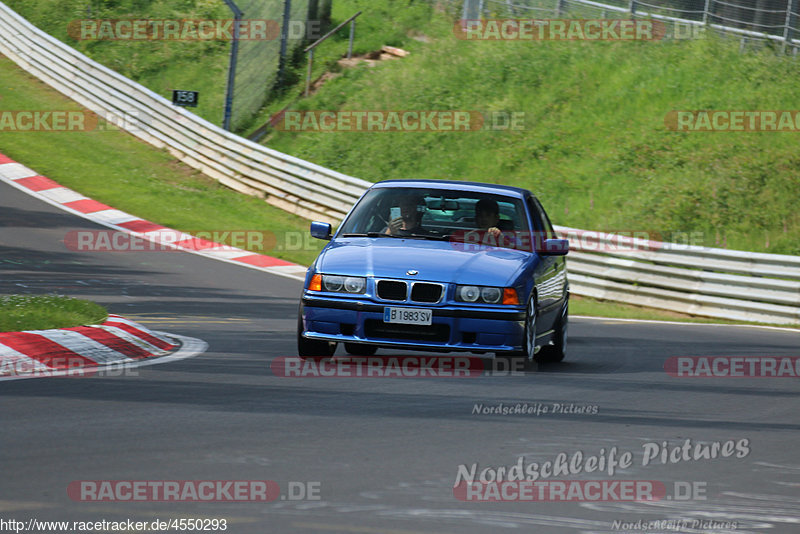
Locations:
(436, 261)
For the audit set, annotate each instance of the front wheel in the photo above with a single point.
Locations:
(312, 348)
(558, 350)
(527, 354)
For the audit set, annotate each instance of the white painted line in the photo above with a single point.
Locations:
(291, 269)
(288, 274)
(111, 216)
(655, 321)
(82, 345)
(134, 340)
(62, 195)
(12, 362)
(15, 171)
(190, 347)
(227, 254)
(111, 224)
(117, 319)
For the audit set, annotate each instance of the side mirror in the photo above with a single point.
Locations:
(320, 230)
(554, 247)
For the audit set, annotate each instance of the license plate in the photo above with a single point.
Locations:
(407, 316)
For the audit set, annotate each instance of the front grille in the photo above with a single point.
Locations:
(374, 328)
(392, 290)
(422, 292)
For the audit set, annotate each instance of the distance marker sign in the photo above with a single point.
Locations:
(186, 99)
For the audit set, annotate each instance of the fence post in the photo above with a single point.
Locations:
(706, 11)
(287, 13)
(237, 17)
(352, 37)
(308, 76)
(511, 9)
(632, 8)
(559, 8)
(310, 48)
(787, 28)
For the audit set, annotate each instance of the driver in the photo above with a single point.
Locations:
(412, 208)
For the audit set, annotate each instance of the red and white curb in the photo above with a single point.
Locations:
(28, 181)
(117, 343)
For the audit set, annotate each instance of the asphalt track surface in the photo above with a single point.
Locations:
(384, 452)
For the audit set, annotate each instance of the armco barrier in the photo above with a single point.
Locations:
(710, 282)
(701, 281)
(289, 183)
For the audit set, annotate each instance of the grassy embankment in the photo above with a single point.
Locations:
(594, 148)
(40, 312)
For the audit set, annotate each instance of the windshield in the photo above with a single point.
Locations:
(433, 214)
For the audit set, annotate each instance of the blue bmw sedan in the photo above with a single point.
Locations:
(438, 266)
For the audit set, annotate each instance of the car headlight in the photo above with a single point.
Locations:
(340, 284)
(332, 283)
(355, 284)
(468, 293)
(488, 295)
(491, 295)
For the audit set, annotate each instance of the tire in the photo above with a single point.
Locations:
(526, 355)
(558, 350)
(357, 349)
(312, 348)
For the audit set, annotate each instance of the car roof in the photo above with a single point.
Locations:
(455, 185)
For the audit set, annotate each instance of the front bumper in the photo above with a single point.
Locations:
(454, 328)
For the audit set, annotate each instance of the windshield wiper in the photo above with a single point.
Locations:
(399, 236)
(429, 236)
(370, 234)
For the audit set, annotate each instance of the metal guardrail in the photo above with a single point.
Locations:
(289, 183)
(709, 282)
(696, 280)
(773, 20)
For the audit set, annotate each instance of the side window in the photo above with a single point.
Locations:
(548, 227)
(536, 215)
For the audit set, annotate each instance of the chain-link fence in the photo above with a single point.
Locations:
(258, 59)
(751, 21)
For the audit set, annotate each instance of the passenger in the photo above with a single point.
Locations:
(487, 217)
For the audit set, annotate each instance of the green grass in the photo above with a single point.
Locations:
(595, 148)
(164, 65)
(41, 312)
(117, 169)
(121, 171)
(398, 23)
(159, 65)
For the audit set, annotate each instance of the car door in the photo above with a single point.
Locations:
(551, 275)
